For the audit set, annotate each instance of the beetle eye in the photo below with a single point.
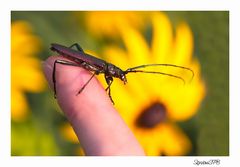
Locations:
(123, 78)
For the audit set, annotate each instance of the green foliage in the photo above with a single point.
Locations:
(211, 30)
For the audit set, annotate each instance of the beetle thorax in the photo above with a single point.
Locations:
(114, 71)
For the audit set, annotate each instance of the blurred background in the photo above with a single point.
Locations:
(166, 117)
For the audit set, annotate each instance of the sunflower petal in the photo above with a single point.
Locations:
(68, 133)
(27, 75)
(175, 141)
(137, 47)
(183, 45)
(19, 107)
(162, 37)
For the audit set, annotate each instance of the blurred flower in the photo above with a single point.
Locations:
(107, 23)
(69, 135)
(152, 104)
(26, 75)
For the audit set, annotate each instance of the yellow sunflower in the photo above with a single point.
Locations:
(152, 104)
(26, 75)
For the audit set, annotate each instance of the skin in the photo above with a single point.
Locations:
(97, 124)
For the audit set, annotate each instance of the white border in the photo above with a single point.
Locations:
(5, 84)
(203, 5)
(234, 83)
(121, 4)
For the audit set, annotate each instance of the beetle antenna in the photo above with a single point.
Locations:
(133, 69)
(155, 72)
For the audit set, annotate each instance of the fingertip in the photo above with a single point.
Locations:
(69, 80)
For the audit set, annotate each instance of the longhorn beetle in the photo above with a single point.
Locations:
(98, 66)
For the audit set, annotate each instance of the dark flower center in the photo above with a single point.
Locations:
(151, 116)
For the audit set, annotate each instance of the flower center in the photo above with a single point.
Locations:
(151, 116)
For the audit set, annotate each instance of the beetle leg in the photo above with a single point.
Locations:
(79, 48)
(109, 81)
(63, 62)
(86, 84)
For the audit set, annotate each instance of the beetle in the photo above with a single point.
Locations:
(98, 66)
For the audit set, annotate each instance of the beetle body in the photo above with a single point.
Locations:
(81, 59)
(89, 62)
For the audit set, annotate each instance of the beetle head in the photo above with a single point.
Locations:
(123, 78)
